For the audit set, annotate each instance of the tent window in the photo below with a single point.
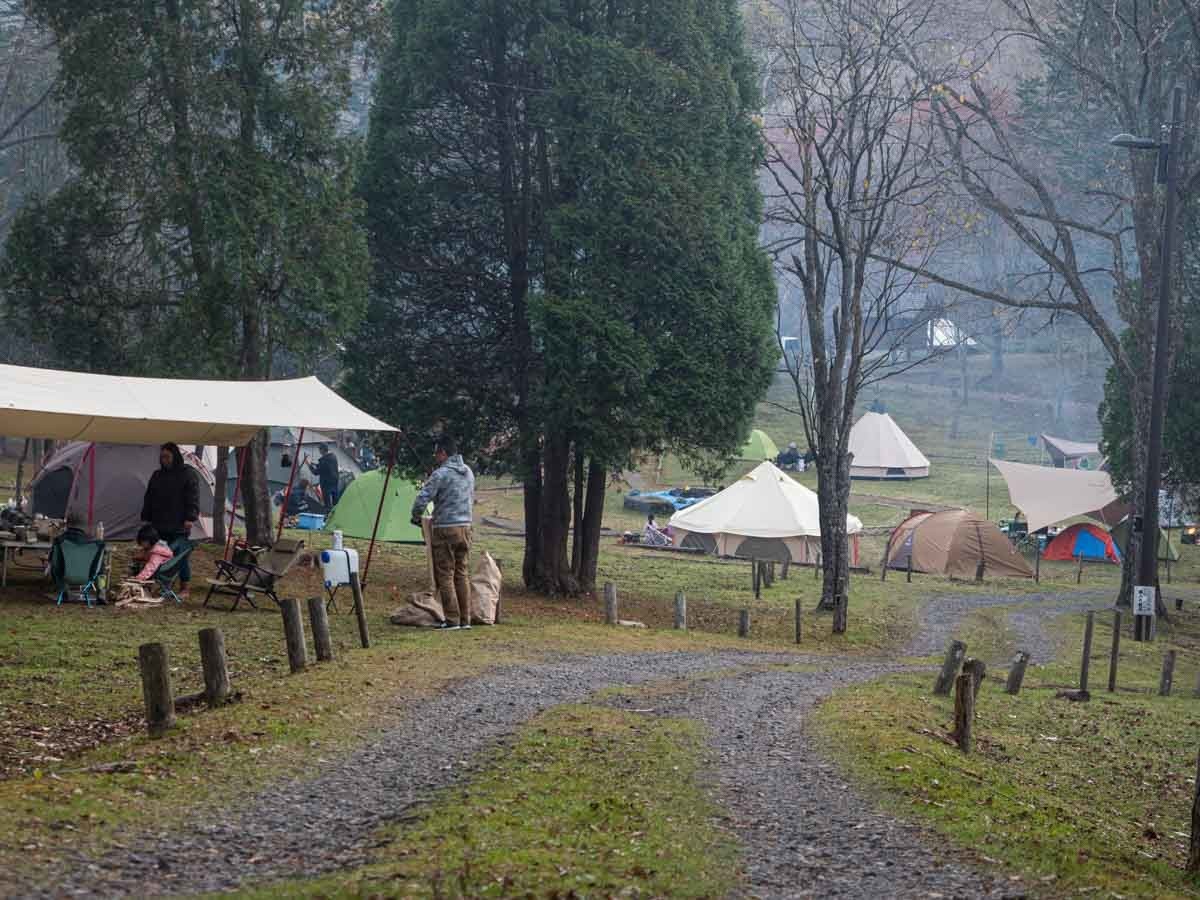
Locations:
(764, 548)
(697, 541)
(894, 471)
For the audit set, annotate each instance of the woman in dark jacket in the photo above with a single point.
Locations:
(172, 503)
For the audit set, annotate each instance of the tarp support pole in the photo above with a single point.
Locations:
(242, 452)
(91, 484)
(382, 498)
(288, 491)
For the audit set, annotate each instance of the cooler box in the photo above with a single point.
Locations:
(310, 521)
(337, 566)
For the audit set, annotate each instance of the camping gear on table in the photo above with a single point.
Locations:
(1166, 549)
(880, 450)
(1082, 540)
(358, 506)
(759, 446)
(250, 573)
(765, 514)
(77, 566)
(424, 609)
(954, 542)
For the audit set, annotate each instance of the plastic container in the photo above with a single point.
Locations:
(310, 521)
(336, 565)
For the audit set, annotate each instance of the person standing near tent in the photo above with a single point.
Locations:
(451, 490)
(327, 474)
(172, 504)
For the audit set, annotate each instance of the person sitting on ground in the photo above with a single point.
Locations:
(152, 552)
(652, 535)
(789, 458)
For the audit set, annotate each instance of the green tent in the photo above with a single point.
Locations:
(1120, 536)
(759, 447)
(354, 515)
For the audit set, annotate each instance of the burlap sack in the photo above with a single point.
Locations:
(485, 590)
(422, 611)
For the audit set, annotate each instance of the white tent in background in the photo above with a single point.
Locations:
(881, 450)
(763, 515)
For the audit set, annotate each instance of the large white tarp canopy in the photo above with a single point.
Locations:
(47, 403)
(1047, 495)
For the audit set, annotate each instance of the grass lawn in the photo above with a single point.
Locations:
(1082, 798)
(588, 801)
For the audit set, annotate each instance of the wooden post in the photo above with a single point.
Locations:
(293, 632)
(979, 570)
(1179, 603)
(744, 623)
(908, 569)
(954, 657)
(1193, 863)
(799, 620)
(1078, 568)
(1116, 650)
(964, 710)
(1086, 662)
(783, 569)
(360, 611)
(756, 578)
(840, 603)
(1016, 674)
(817, 568)
(1037, 564)
(156, 688)
(1196, 692)
(319, 619)
(680, 611)
(976, 668)
(216, 670)
(1168, 674)
(610, 603)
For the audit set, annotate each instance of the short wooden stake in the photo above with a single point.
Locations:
(908, 569)
(964, 710)
(1115, 653)
(756, 578)
(954, 657)
(156, 688)
(744, 623)
(319, 620)
(680, 611)
(1168, 674)
(215, 666)
(817, 568)
(840, 604)
(360, 611)
(1193, 863)
(977, 669)
(1196, 692)
(1086, 663)
(1079, 568)
(1037, 564)
(1016, 674)
(799, 620)
(293, 632)
(610, 603)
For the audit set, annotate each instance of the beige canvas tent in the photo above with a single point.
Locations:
(881, 450)
(763, 515)
(954, 542)
(1046, 495)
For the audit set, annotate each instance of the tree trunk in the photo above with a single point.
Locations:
(555, 575)
(1140, 403)
(593, 515)
(577, 514)
(833, 494)
(255, 496)
(21, 475)
(531, 565)
(220, 489)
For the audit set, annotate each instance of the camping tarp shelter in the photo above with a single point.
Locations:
(1166, 549)
(759, 447)
(283, 445)
(882, 450)
(1065, 454)
(1046, 495)
(953, 542)
(765, 514)
(354, 515)
(120, 473)
(1082, 539)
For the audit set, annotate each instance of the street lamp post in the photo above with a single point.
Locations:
(1168, 153)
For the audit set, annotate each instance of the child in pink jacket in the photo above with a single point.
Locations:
(154, 552)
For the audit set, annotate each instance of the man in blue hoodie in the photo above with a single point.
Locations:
(451, 489)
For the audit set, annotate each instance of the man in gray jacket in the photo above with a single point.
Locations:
(451, 489)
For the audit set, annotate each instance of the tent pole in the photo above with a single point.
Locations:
(382, 497)
(91, 484)
(291, 475)
(242, 452)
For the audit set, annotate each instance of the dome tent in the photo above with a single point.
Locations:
(354, 515)
(759, 447)
(765, 514)
(953, 542)
(1082, 540)
(121, 472)
(881, 450)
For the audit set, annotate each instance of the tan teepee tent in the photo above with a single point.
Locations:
(882, 450)
(765, 514)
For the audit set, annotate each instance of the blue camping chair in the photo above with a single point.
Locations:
(168, 573)
(76, 565)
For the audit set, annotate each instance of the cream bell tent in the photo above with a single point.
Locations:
(763, 515)
(882, 450)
